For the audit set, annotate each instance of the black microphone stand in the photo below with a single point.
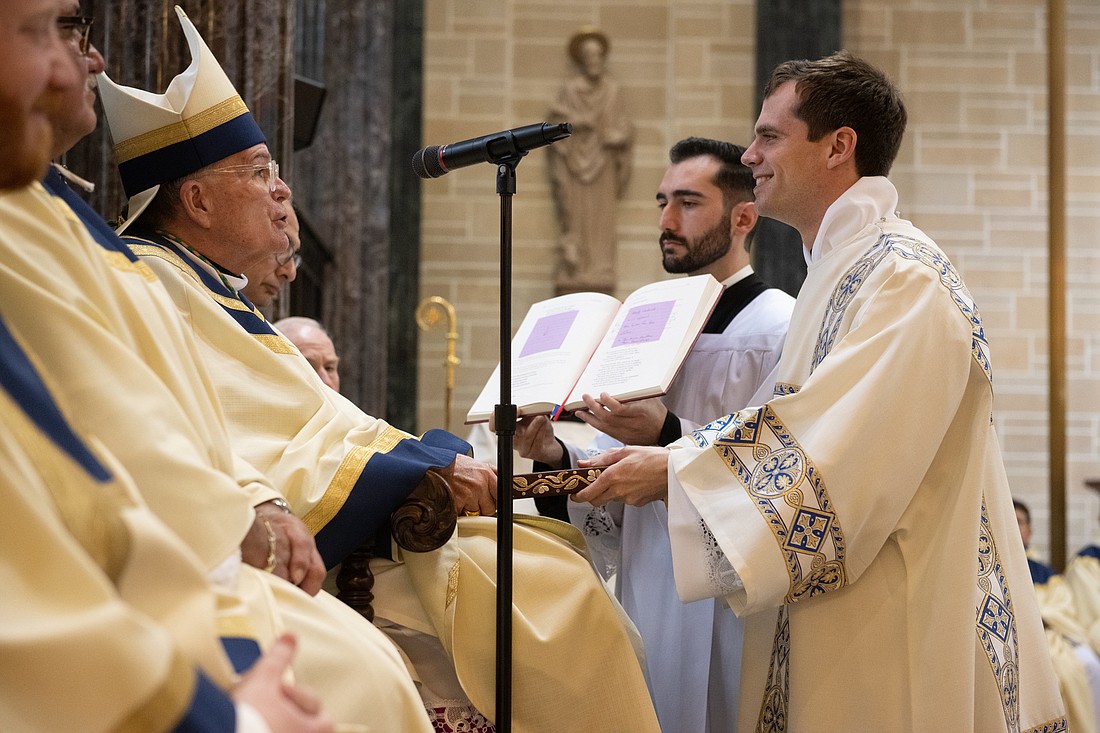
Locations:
(505, 415)
(505, 150)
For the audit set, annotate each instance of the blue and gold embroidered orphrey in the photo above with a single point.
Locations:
(789, 493)
(782, 388)
(997, 632)
(997, 623)
(773, 710)
(865, 510)
(911, 249)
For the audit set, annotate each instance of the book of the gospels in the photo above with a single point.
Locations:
(590, 343)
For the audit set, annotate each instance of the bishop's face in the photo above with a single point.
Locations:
(247, 209)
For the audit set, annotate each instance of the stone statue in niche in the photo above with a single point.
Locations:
(590, 170)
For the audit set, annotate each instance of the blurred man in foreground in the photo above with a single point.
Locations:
(92, 638)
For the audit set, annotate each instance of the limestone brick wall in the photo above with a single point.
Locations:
(685, 68)
(972, 173)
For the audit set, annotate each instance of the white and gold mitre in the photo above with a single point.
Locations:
(199, 120)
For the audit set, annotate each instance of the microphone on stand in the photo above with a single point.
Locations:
(436, 160)
(503, 149)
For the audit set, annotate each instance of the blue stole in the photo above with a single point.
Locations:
(233, 302)
(101, 232)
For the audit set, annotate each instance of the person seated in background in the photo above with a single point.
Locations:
(311, 338)
(1082, 575)
(1075, 663)
(108, 621)
(1040, 571)
(199, 221)
(267, 276)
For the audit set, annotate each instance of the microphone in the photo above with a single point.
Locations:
(435, 160)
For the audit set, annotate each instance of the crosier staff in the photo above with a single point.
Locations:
(428, 313)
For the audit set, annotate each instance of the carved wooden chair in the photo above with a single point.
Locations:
(423, 522)
(427, 519)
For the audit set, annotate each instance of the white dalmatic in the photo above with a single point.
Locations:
(860, 522)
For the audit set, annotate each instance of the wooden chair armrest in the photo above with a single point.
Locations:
(424, 522)
(427, 519)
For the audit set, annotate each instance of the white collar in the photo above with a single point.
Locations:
(234, 281)
(869, 199)
(737, 276)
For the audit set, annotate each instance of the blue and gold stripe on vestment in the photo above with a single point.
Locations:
(21, 380)
(371, 484)
(233, 302)
(117, 254)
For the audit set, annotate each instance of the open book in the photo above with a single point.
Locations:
(588, 343)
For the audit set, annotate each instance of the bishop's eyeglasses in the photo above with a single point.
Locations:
(269, 170)
(291, 255)
(73, 27)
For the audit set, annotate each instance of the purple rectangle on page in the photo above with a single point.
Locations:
(644, 323)
(549, 333)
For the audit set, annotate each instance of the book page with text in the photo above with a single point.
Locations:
(648, 340)
(549, 351)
